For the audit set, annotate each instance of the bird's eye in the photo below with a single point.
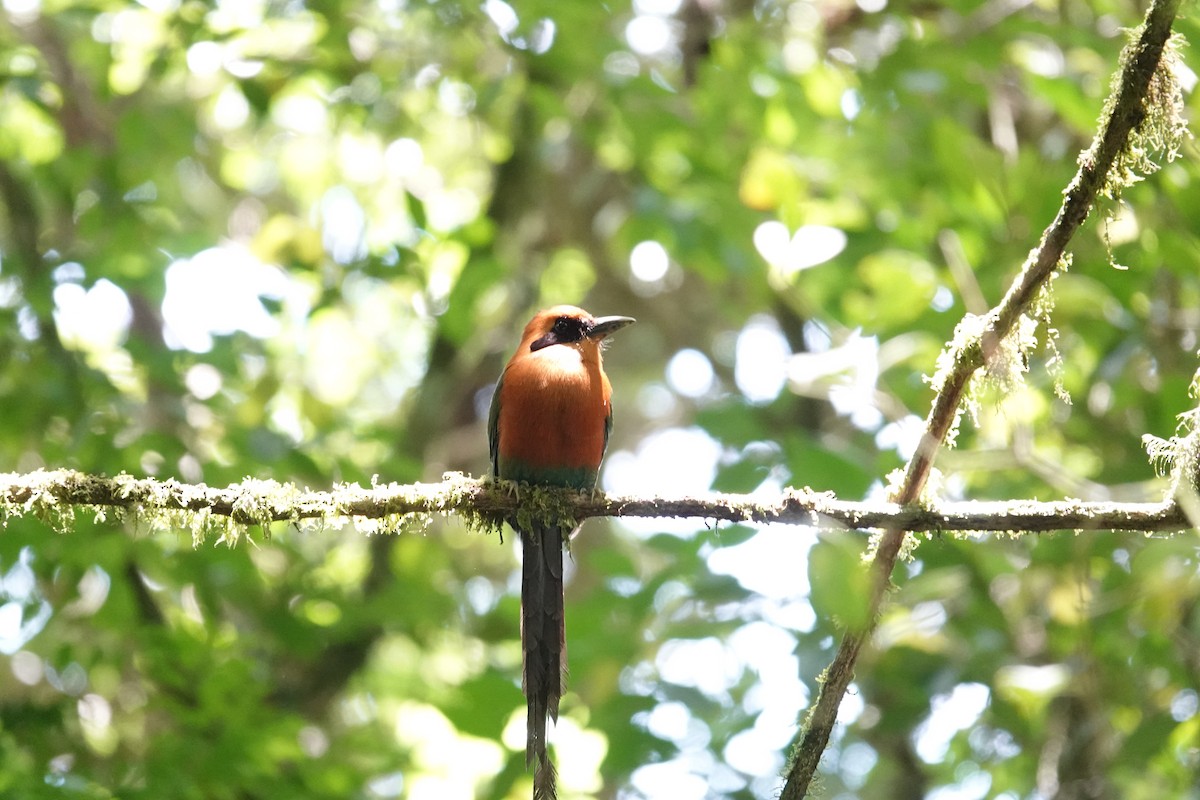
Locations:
(564, 331)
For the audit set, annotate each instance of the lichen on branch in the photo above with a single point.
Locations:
(228, 514)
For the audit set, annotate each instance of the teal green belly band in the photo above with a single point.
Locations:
(583, 478)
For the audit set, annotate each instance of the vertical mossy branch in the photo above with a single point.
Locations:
(1141, 117)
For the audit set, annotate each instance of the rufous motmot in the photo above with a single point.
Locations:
(549, 423)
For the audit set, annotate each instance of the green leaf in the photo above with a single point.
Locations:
(841, 585)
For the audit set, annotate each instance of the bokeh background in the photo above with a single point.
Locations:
(298, 240)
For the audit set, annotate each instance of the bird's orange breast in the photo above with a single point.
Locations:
(554, 404)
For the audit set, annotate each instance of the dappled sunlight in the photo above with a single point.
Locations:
(96, 322)
(809, 246)
(847, 373)
(95, 319)
(448, 764)
(220, 291)
(678, 659)
(669, 462)
(24, 611)
(580, 751)
(762, 355)
(772, 563)
(949, 714)
(690, 373)
(253, 242)
(674, 778)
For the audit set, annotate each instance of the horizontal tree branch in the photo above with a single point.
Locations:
(56, 495)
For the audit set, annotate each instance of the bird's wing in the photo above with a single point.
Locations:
(607, 430)
(494, 429)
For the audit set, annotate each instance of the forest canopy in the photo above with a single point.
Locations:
(296, 242)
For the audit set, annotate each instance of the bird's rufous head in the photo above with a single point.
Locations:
(569, 325)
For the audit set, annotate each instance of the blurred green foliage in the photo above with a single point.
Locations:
(298, 240)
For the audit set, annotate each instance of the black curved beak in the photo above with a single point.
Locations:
(603, 327)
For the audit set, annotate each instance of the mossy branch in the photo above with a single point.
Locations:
(55, 497)
(1140, 118)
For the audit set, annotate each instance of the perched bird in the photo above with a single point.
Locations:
(549, 424)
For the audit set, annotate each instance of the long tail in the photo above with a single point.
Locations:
(544, 644)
